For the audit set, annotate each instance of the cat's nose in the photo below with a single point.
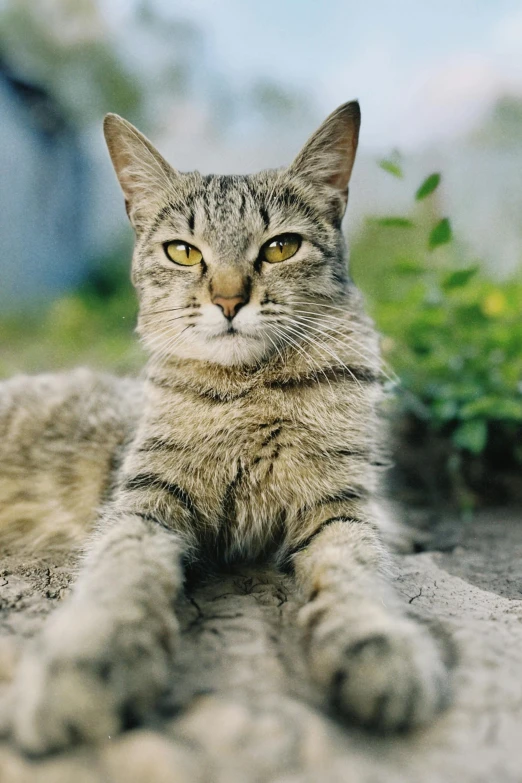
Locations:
(230, 305)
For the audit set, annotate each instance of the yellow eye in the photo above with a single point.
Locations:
(280, 248)
(183, 253)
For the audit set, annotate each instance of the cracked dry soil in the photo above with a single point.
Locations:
(241, 709)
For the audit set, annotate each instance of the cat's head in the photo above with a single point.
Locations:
(232, 269)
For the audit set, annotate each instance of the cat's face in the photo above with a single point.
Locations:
(234, 269)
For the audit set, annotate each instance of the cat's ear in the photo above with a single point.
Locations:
(328, 156)
(143, 173)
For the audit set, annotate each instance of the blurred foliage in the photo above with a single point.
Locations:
(65, 46)
(148, 63)
(502, 128)
(92, 326)
(452, 336)
(278, 106)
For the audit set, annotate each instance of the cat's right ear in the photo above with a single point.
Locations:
(328, 156)
(143, 173)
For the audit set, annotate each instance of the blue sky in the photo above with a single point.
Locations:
(424, 71)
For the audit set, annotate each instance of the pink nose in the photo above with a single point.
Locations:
(230, 305)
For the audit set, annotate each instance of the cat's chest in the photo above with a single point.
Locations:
(250, 467)
(261, 446)
(255, 443)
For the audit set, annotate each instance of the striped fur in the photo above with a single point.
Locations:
(252, 438)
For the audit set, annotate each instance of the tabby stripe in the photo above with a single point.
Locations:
(158, 220)
(288, 199)
(151, 481)
(272, 436)
(313, 621)
(242, 206)
(340, 275)
(347, 494)
(327, 374)
(350, 493)
(165, 212)
(151, 518)
(273, 423)
(228, 503)
(208, 396)
(157, 444)
(224, 184)
(323, 249)
(306, 543)
(265, 217)
(359, 453)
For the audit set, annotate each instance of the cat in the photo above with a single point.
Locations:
(255, 437)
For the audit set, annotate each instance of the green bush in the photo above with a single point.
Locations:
(92, 326)
(452, 336)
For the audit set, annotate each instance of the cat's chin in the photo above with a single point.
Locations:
(227, 350)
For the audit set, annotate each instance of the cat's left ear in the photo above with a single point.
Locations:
(143, 173)
(328, 156)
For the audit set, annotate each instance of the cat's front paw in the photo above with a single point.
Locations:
(389, 678)
(86, 685)
(62, 702)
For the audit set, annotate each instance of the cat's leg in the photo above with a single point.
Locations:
(381, 667)
(103, 657)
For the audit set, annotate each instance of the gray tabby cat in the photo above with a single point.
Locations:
(255, 437)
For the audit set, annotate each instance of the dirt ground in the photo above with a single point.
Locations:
(241, 709)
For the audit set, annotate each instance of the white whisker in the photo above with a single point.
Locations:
(321, 346)
(294, 344)
(314, 318)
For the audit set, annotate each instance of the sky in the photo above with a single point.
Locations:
(426, 72)
(423, 70)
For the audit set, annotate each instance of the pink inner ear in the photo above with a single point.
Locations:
(341, 178)
(345, 150)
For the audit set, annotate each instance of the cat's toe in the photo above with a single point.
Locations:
(391, 682)
(62, 703)
(86, 678)
(386, 679)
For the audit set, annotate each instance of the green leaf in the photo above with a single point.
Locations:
(441, 234)
(430, 184)
(472, 436)
(393, 222)
(392, 167)
(445, 410)
(406, 267)
(493, 408)
(459, 278)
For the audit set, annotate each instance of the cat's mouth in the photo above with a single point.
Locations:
(231, 331)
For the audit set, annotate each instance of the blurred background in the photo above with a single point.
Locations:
(434, 221)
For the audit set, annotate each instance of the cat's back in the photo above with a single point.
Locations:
(61, 438)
